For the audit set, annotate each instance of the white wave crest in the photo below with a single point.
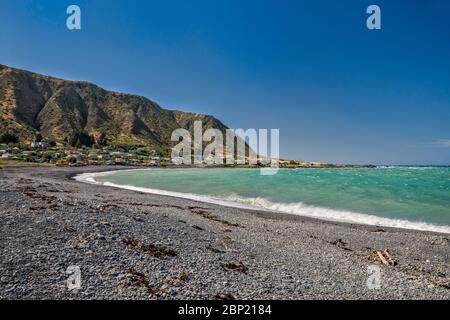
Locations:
(302, 209)
(299, 208)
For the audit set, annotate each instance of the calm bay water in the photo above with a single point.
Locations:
(406, 196)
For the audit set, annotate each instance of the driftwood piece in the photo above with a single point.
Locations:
(389, 257)
(382, 256)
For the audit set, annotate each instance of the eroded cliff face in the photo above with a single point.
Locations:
(58, 109)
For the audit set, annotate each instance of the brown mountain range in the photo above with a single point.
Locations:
(58, 109)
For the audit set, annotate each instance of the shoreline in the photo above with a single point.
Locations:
(134, 245)
(324, 214)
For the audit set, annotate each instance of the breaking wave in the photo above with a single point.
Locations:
(298, 208)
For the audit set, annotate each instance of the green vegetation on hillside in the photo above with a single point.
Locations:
(78, 112)
(7, 137)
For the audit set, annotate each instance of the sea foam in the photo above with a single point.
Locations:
(298, 208)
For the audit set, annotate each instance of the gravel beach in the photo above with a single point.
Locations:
(131, 245)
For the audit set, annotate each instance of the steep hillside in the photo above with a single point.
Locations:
(58, 109)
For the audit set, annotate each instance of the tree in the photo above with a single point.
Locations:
(72, 160)
(79, 139)
(102, 141)
(8, 138)
(38, 137)
(72, 140)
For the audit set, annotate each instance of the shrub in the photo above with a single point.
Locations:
(79, 139)
(8, 138)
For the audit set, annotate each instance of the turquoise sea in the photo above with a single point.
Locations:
(409, 197)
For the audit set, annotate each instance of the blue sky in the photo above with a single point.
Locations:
(337, 91)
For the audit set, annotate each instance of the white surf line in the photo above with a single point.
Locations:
(260, 204)
(90, 178)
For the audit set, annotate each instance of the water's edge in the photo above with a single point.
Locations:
(259, 204)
